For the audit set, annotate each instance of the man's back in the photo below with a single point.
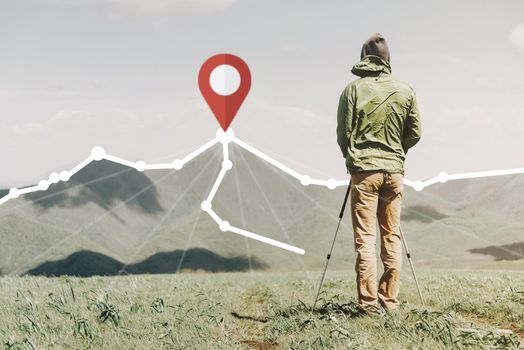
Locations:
(378, 119)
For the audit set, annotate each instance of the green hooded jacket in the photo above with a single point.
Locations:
(378, 119)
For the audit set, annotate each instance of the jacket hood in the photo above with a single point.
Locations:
(376, 45)
(371, 65)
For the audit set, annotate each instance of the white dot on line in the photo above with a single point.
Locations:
(64, 175)
(305, 180)
(43, 185)
(54, 178)
(98, 153)
(140, 165)
(225, 226)
(227, 164)
(14, 193)
(205, 206)
(225, 137)
(443, 177)
(177, 164)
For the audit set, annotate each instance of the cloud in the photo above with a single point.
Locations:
(155, 8)
(289, 47)
(470, 138)
(516, 37)
(294, 135)
(29, 94)
(301, 138)
(31, 150)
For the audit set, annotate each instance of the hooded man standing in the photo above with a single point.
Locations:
(378, 122)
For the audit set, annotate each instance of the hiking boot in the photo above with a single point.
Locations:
(371, 311)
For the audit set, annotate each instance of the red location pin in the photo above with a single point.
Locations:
(224, 81)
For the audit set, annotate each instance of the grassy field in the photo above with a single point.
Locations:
(465, 309)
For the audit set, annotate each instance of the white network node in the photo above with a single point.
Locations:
(54, 178)
(43, 185)
(140, 165)
(205, 206)
(224, 226)
(177, 164)
(14, 193)
(305, 180)
(98, 153)
(227, 164)
(225, 138)
(64, 175)
(443, 177)
(419, 186)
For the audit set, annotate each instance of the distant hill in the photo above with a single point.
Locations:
(108, 214)
(86, 263)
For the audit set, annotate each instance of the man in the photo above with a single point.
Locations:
(378, 122)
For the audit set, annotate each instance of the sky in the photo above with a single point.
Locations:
(122, 74)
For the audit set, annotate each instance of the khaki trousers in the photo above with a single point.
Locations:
(377, 195)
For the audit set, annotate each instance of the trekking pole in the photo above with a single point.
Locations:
(333, 244)
(411, 264)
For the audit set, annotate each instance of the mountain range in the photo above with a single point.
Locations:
(110, 219)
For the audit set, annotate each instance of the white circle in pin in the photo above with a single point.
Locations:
(224, 80)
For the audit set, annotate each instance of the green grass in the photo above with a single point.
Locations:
(465, 309)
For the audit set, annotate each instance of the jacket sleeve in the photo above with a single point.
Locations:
(343, 116)
(412, 128)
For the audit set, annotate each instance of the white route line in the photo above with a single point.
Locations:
(226, 138)
(418, 185)
(98, 153)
